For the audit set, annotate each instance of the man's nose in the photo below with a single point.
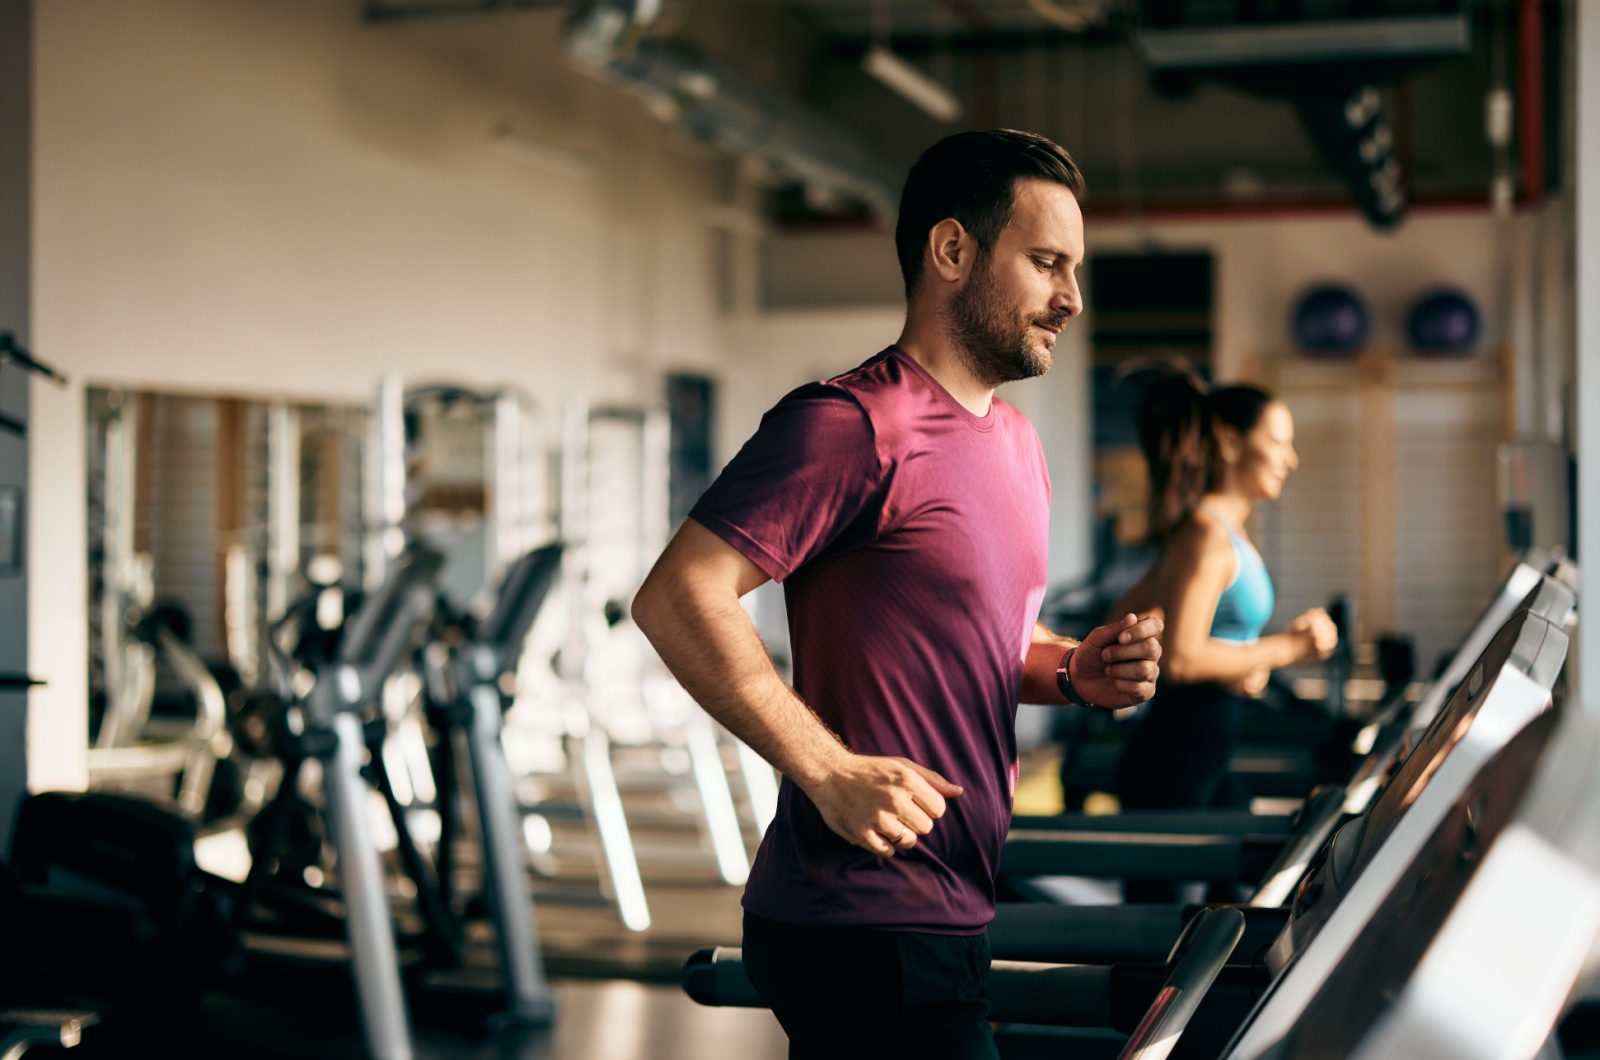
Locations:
(1067, 301)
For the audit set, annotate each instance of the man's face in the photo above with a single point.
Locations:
(1019, 295)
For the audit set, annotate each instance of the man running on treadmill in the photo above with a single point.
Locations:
(905, 509)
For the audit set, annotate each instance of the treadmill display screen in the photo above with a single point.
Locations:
(1386, 953)
(1447, 730)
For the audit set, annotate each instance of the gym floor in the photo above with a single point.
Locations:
(599, 1020)
(306, 1008)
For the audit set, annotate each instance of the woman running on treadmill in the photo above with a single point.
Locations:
(1213, 454)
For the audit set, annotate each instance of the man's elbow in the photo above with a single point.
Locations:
(649, 606)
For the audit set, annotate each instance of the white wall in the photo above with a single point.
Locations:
(1264, 263)
(1587, 240)
(269, 197)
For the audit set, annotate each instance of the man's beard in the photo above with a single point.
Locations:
(994, 343)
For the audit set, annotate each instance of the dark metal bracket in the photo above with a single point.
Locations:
(11, 350)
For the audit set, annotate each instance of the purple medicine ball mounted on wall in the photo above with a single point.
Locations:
(1444, 324)
(1330, 321)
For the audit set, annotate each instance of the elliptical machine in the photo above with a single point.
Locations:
(468, 684)
(465, 665)
(328, 724)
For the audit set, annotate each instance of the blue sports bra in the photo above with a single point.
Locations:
(1246, 604)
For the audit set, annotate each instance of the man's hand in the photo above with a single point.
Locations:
(881, 804)
(1116, 665)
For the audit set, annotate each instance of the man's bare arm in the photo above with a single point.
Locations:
(689, 609)
(1039, 669)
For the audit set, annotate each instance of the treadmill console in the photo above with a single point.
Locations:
(1479, 727)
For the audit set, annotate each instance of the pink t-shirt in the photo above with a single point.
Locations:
(910, 537)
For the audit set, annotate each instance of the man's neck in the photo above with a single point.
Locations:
(934, 349)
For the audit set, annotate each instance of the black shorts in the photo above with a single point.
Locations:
(842, 993)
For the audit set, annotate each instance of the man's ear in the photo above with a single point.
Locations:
(951, 251)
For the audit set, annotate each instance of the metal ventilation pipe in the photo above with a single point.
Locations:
(607, 38)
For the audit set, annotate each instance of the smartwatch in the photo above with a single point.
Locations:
(1064, 681)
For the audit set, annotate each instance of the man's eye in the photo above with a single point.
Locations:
(1044, 264)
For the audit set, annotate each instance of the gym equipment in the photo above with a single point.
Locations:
(123, 870)
(1023, 991)
(1101, 934)
(101, 899)
(464, 684)
(1444, 323)
(326, 724)
(22, 1029)
(624, 727)
(1486, 740)
(482, 452)
(1329, 321)
(1223, 846)
(133, 635)
(106, 897)
(475, 476)
(1510, 954)
(121, 757)
(466, 665)
(1456, 891)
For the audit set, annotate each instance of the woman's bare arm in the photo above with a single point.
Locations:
(1197, 566)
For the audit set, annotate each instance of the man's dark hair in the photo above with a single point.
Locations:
(972, 177)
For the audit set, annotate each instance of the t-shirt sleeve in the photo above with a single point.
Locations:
(808, 483)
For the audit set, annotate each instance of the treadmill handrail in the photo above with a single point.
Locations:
(1181, 822)
(1316, 823)
(1211, 937)
(1156, 855)
(1060, 995)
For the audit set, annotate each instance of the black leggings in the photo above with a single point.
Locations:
(1178, 759)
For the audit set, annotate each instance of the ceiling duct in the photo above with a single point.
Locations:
(1326, 58)
(1357, 144)
(718, 107)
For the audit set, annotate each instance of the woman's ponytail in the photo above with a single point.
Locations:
(1174, 419)
(1177, 419)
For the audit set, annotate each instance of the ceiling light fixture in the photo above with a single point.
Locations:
(540, 155)
(916, 87)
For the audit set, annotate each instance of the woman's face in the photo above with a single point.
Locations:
(1262, 459)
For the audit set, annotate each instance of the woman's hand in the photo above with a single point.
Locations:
(1253, 683)
(1316, 633)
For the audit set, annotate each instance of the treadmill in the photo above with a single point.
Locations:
(1479, 733)
(1476, 945)
(1274, 850)
(1029, 931)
